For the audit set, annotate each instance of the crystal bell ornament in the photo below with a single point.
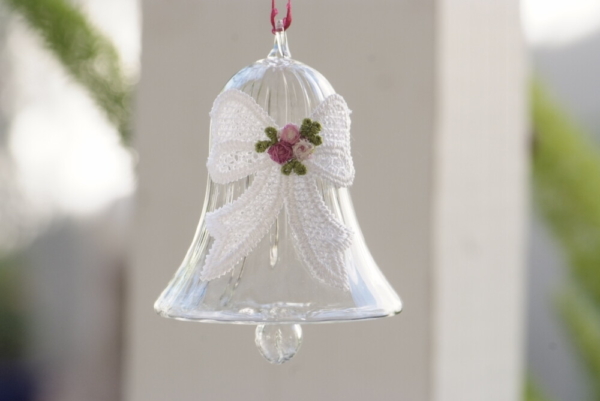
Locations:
(278, 243)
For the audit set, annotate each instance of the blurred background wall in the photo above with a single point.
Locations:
(442, 83)
(442, 231)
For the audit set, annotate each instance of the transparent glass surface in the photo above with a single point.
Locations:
(272, 285)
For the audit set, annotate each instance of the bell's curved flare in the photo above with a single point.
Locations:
(278, 241)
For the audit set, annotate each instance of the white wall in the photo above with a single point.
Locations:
(385, 58)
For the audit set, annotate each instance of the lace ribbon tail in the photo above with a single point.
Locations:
(238, 227)
(319, 237)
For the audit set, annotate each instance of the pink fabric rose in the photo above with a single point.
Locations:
(281, 152)
(290, 134)
(303, 149)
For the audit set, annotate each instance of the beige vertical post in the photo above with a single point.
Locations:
(479, 202)
(439, 197)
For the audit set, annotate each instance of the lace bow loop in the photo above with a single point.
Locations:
(333, 161)
(237, 122)
(242, 223)
(319, 237)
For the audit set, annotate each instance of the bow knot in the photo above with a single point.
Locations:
(286, 164)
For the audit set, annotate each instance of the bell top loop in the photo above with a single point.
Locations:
(280, 46)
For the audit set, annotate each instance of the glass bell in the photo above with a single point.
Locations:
(271, 287)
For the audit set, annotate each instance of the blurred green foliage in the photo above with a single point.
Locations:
(92, 60)
(86, 54)
(533, 392)
(583, 322)
(567, 188)
(566, 170)
(13, 333)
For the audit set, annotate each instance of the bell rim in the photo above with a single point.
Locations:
(361, 314)
(254, 322)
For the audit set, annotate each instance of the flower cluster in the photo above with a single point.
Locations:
(291, 145)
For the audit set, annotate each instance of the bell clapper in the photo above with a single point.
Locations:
(278, 343)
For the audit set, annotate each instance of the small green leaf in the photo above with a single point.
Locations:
(299, 168)
(316, 140)
(317, 127)
(287, 168)
(271, 133)
(306, 127)
(310, 129)
(262, 146)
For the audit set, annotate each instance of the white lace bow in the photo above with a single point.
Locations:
(237, 124)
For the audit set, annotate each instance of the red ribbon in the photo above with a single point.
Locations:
(287, 21)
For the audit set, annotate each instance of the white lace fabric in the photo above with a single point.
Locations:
(320, 239)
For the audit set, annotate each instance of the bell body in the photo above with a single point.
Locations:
(272, 284)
